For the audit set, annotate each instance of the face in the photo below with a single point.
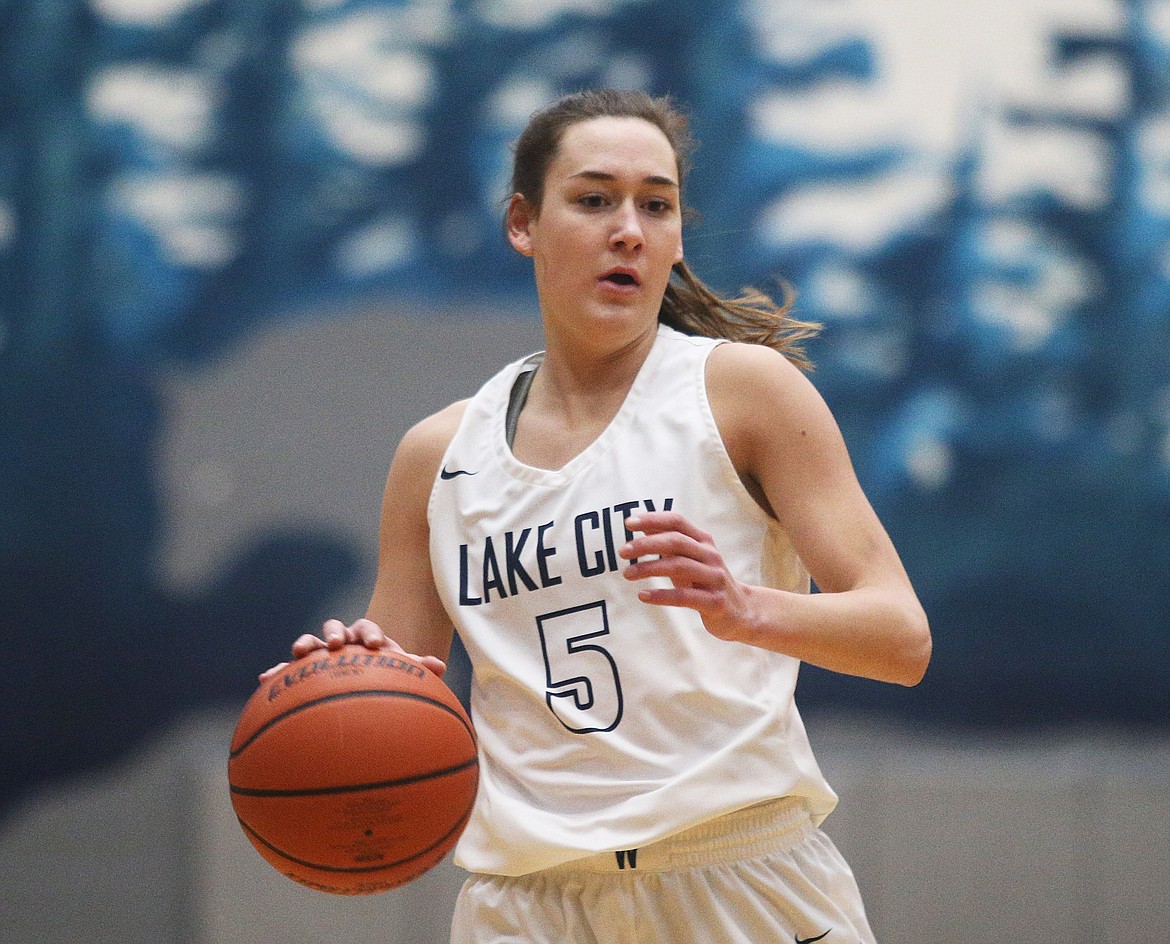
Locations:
(609, 227)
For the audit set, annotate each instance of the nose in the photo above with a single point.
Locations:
(627, 230)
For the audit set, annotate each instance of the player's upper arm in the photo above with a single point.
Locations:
(405, 602)
(788, 448)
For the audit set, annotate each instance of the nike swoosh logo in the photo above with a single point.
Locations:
(809, 940)
(443, 473)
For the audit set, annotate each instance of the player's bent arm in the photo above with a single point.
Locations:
(404, 612)
(405, 603)
(867, 619)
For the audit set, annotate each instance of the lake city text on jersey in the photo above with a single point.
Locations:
(526, 559)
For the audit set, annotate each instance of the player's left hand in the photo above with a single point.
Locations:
(668, 545)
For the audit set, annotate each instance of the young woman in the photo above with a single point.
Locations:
(622, 529)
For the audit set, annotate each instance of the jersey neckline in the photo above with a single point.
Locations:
(597, 448)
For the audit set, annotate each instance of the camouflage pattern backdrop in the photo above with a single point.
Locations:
(994, 282)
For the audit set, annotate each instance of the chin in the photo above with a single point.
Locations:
(633, 316)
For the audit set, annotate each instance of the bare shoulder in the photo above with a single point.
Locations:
(736, 360)
(428, 439)
(421, 450)
(757, 392)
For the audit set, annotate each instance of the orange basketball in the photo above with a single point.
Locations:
(353, 771)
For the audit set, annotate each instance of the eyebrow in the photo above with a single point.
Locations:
(602, 175)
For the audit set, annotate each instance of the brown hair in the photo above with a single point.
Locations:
(689, 305)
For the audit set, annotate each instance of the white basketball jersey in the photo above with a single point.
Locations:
(606, 723)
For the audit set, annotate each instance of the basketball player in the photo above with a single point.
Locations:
(622, 530)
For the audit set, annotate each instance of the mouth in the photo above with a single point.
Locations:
(620, 278)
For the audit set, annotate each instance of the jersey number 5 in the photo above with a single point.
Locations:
(582, 689)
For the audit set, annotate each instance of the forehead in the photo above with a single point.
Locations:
(622, 147)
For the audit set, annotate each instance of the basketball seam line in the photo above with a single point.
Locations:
(356, 787)
(366, 868)
(338, 696)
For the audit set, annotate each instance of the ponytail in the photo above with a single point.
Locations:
(691, 307)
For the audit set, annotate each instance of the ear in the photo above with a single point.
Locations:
(519, 220)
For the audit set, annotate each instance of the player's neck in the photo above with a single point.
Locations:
(571, 402)
(587, 376)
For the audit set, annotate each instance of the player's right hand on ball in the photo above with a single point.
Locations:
(335, 634)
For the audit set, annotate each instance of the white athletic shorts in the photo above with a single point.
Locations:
(760, 875)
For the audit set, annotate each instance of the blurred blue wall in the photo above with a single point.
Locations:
(174, 175)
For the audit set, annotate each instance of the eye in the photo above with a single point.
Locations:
(593, 201)
(658, 205)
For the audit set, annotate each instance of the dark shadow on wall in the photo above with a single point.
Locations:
(99, 658)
